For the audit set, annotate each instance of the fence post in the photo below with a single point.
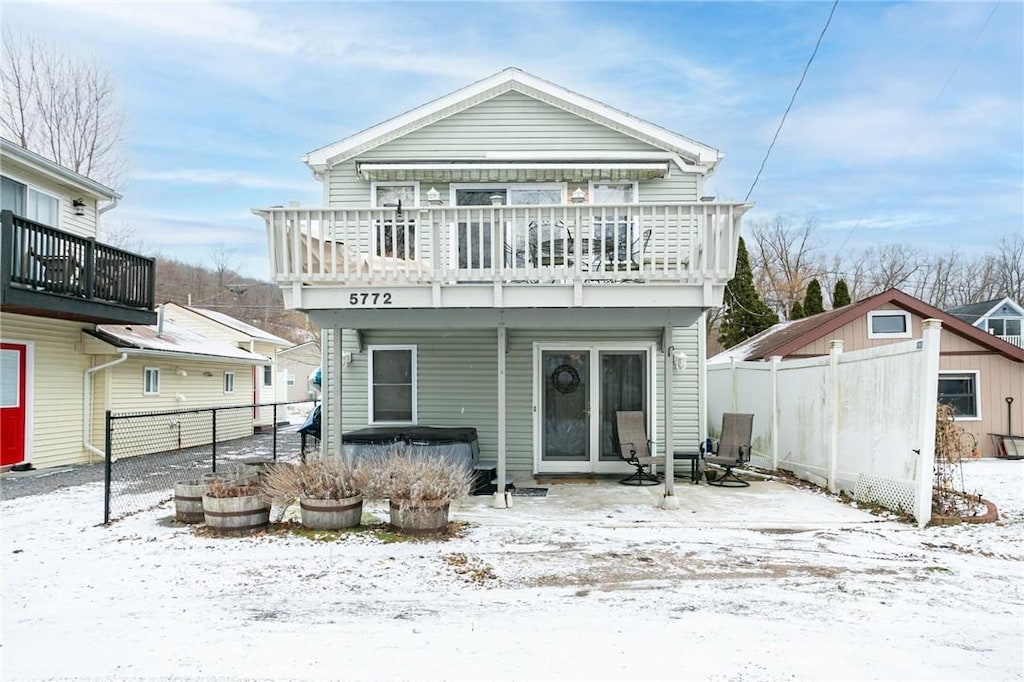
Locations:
(929, 392)
(775, 360)
(273, 436)
(213, 445)
(106, 468)
(835, 348)
(735, 388)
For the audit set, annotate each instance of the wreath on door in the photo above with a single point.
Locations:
(565, 379)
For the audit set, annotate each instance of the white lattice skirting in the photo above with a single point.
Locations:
(897, 496)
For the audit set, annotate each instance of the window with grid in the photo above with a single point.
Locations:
(960, 389)
(151, 381)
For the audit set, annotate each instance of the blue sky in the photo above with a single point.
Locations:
(909, 127)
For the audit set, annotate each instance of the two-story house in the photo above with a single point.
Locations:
(1002, 317)
(514, 257)
(56, 280)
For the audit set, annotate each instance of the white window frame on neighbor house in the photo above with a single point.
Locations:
(370, 352)
(150, 387)
(229, 382)
(30, 188)
(976, 377)
(907, 326)
(1002, 323)
(268, 376)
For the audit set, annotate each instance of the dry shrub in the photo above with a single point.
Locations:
(232, 488)
(320, 479)
(953, 444)
(410, 479)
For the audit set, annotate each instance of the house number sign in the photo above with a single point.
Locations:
(369, 298)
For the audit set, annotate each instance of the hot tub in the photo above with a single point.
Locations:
(459, 443)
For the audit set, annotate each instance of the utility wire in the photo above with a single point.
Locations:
(931, 108)
(791, 100)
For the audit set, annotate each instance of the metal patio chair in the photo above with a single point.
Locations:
(635, 448)
(732, 449)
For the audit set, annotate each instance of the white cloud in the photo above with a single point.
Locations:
(219, 177)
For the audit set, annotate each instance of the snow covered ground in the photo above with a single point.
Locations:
(589, 583)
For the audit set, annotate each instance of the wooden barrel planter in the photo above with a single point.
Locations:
(419, 520)
(236, 515)
(331, 514)
(188, 501)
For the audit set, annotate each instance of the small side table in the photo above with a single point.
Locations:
(694, 458)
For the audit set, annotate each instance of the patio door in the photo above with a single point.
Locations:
(578, 391)
(13, 404)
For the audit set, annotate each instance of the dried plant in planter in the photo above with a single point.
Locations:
(411, 479)
(232, 488)
(320, 479)
(952, 445)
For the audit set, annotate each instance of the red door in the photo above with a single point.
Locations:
(13, 411)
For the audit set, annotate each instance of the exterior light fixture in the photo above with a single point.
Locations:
(79, 206)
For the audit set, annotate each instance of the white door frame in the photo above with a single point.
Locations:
(594, 464)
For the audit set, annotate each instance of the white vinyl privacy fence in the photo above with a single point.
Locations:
(861, 422)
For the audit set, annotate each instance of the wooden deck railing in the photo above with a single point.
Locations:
(46, 259)
(681, 243)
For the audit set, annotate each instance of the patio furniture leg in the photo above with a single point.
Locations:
(734, 481)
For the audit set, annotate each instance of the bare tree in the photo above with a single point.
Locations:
(61, 108)
(784, 259)
(1009, 264)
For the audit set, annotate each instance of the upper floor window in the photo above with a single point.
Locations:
(1001, 326)
(613, 193)
(391, 194)
(889, 324)
(151, 381)
(395, 236)
(229, 382)
(268, 375)
(29, 202)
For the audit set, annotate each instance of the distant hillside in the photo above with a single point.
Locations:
(251, 300)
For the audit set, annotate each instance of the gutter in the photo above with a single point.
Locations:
(179, 355)
(112, 205)
(87, 403)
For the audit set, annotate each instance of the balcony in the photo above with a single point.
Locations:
(1015, 339)
(561, 256)
(47, 272)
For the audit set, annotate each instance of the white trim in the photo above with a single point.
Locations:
(510, 79)
(395, 183)
(490, 165)
(1005, 301)
(908, 328)
(414, 391)
(951, 373)
(229, 389)
(145, 381)
(593, 464)
(57, 172)
(29, 379)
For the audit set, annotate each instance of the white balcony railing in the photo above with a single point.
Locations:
(1016, 340)
(683, 243)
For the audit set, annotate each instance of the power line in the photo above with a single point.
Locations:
(791, 100)
(927, 115)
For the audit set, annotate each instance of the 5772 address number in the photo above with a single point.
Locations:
(367, 298)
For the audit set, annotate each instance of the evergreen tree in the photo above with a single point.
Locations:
(746, 314)
(813, 303)
(841, 295)
(797, 311)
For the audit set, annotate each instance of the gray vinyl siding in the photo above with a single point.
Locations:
(457, 379)
(509, 122)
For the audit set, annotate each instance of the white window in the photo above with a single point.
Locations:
(889, 324)
(289, 378)
(960, 389)
(392, 384)
(29, 202)
(1004, 326)
(395, 236)
(473, 236)
(151, 381)
(613, 192)
(229, 382)
(616, 239)
(268, 375)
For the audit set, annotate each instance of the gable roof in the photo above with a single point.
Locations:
(972, 312)
(511, 79)
(787, 337)
(57, 172)
(238, 325)
(173, 340)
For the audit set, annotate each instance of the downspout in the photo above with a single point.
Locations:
(87, 402)
(112, 205)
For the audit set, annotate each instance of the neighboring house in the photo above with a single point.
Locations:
(217, 325)
(165, 367)
(977, 370)
(1002, 317)
(56, 280)
(294, 365)
(514, 257)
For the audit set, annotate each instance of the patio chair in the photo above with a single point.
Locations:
(732, 449)
(635, 448)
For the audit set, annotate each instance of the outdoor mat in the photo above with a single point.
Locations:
(529, 492)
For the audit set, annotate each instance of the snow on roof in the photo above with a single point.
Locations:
(238, 325)
(174, 339)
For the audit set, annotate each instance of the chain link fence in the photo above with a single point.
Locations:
(148, 452)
